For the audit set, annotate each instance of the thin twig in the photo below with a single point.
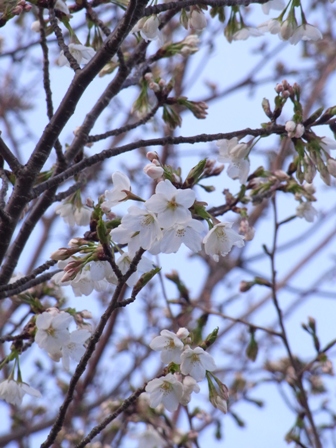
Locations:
(97, 429)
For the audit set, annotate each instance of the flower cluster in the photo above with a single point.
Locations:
(190, 366)
(166, 222)
(54, 337)
(288, 28)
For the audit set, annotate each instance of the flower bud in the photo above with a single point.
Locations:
(197, 20)
(331, 166)
(153, 171)
(152, 155)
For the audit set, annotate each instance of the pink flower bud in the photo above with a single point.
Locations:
(153, 171)
(152, 155)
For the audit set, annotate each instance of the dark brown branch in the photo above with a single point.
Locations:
(156, 9)
(46, 80)
(60, 40)
(34, 282)
(89, 351)
(12, 161)
(83, 78)
(23, 280)
(107, 153)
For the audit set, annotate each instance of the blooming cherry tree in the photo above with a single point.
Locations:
(119, 285)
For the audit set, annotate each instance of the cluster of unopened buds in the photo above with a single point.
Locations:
(21, 6)
(153, 85)
(189, 366)
(294, 130)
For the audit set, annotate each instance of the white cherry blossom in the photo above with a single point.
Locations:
(121, 185)
(220, 239)
(328, 143)
(195, 362)
(235, 153)
(189, 233)
(307, 211)
(166, 390)
(272, 26)
(189, 386)
(73, 215)
(80, 52)
(171, 204)
(139, 228)
(52, 332)
(246, 32)
(74, 348)
(305, 32)
(148, 27)
(13, 391)
(170, 346)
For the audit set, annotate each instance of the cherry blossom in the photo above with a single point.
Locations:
(170, 346)
(235, 153)
(13, 391)
(80, 52)
(139, 228)
(121, 185)
(73, 215)
(220, 239)
(148, 27)
(52, 332)
(188, 233)
(272, 26)
(166, 390)
(195, 362)
(305, 32)
(171, 204)
(189, 386)
(246, 32)
(328, 143)
(74, 348)
(307, 211)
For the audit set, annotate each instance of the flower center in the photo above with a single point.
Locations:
(221, 235)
